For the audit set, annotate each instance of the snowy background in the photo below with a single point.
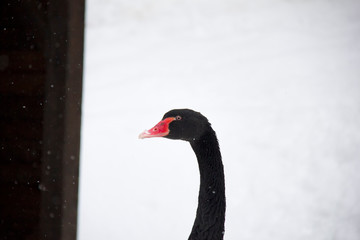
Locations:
(278, 79)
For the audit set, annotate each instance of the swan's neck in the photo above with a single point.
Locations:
(210, 216)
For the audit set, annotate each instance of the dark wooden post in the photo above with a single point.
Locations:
(62, 115)
(41, 56)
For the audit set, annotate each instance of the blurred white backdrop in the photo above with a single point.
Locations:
(278, 79)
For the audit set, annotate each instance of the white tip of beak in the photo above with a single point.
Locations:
(144, 134)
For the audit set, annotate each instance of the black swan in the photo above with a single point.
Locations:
(191, 126)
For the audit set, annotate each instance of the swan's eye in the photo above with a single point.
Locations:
(178, 117)
(155, 129)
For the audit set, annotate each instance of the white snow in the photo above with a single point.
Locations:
(278, 79)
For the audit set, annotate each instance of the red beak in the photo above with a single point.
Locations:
(160, 130)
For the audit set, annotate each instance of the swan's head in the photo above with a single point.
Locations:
(183, 124)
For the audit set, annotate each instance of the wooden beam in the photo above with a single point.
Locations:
(62, 117)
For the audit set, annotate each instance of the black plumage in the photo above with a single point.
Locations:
(191, 126)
